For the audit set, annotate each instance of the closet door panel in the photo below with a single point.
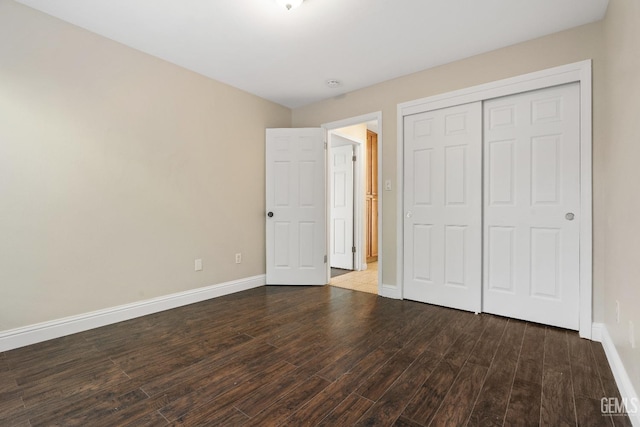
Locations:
(443, 206)
(532, 208)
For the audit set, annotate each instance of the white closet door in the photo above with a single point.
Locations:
(532, 206)
(442, 207)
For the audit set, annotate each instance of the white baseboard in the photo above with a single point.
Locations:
(596, 332)
(390, 291)
(20, 337)
(627, 392)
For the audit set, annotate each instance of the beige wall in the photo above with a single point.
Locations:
(117, 170)
(622, 168)
(357, 132)
(558, 49)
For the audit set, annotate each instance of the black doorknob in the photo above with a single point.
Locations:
(270, 214)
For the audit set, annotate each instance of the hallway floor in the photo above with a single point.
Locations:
(363, 281)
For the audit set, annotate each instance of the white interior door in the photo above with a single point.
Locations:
(532, 206)
(296, 207)
(443, 206)
(342, 207)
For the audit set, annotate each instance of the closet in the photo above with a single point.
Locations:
(492, 205)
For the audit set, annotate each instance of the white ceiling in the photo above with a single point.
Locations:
(287, 56)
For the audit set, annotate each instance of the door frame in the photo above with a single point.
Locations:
(576, 72)
(359, 202)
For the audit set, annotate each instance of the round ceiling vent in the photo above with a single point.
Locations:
(289, 4)
(333, 83)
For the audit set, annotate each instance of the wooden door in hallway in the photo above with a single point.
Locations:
(372, 196)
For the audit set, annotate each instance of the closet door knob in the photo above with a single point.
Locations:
(569, 216)
(270, 214)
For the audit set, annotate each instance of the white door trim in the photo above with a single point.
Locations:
(359, 205)
(576, 72)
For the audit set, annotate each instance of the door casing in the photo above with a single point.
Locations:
(580, 72)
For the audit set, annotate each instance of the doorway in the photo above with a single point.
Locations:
(353, 200)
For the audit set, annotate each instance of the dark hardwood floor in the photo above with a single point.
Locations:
(299, 356)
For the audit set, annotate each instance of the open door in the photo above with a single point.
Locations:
(296, 222)
(342, 245)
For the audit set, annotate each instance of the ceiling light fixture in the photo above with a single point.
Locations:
(333, 83)
(289, 4)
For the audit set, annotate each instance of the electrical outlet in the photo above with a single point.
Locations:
(632, 335)
(198, 264)
(617, 311)
(387, 185)
(238, 258)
